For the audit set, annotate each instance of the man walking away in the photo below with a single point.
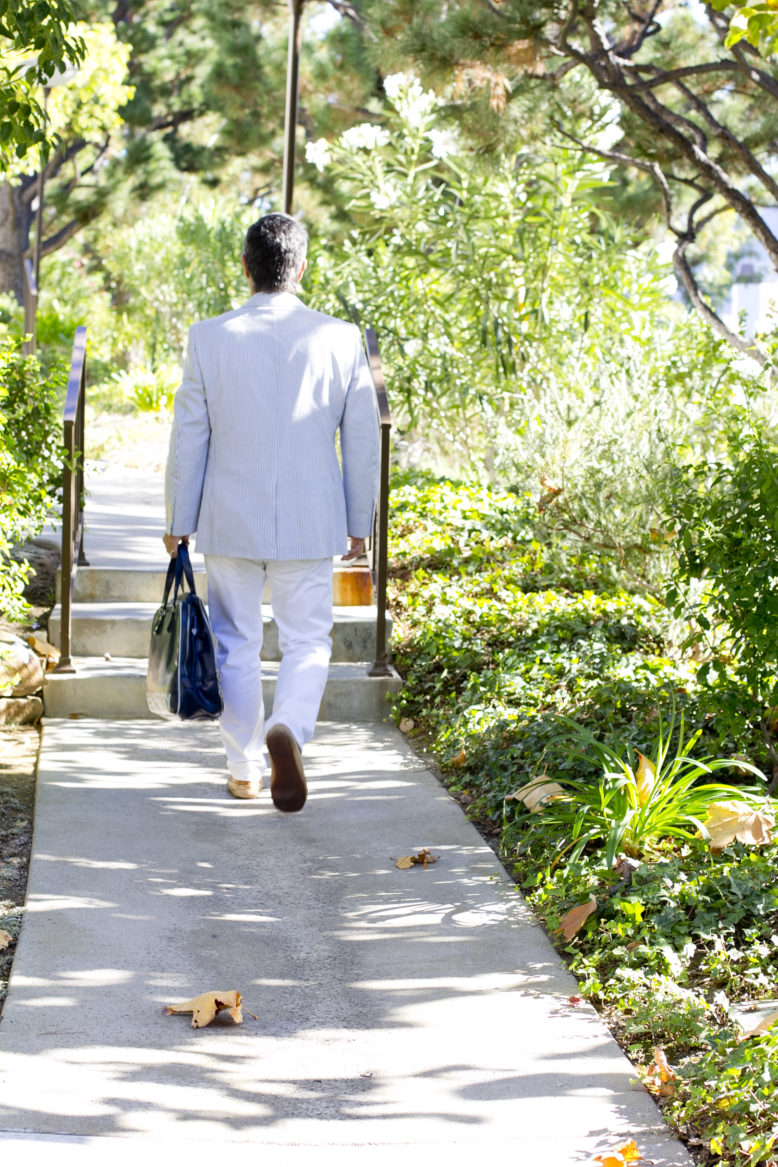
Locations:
(253, 469)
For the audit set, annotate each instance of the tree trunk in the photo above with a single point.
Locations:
(15, 225)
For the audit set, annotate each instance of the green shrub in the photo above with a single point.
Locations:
(30, 461)
(727, 517)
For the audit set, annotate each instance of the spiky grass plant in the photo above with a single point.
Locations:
(630, 807)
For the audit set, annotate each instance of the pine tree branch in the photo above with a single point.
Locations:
(686, 277)
(647, 26)
(663, 123)
(668, 76)
(721, 131)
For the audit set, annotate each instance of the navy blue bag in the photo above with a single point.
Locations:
(182, 681)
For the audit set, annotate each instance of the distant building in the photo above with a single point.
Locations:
(754, 289)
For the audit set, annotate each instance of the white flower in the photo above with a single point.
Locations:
(412, 102)
(444, 143)
(318, 153)
(381, 200)
(394, 85)
(364, 136)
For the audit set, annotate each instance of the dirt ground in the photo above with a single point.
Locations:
(19, 749)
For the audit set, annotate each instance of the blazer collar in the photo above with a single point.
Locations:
(275, 300)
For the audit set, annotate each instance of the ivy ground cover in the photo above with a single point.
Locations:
(504, 637)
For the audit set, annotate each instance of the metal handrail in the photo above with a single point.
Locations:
(72, 494)
(30, 305)
(381, 667)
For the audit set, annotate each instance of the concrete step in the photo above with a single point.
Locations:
(146, 585)
(117, 689)
(123, 629)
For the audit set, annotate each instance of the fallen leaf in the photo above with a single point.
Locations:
(461, 758)
(536, 793)
(629, 1153)
(644, 778)
(728, 821)
(766, 1023)
(42, 647)
(574, 1000)
(660, 1077)
(205, 1007)
(407, 724)
(575, 919)
(423, 859)
(5, 940)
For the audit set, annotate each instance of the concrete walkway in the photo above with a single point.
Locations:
(402, 1016)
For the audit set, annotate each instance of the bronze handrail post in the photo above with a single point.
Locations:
(292, 95)
(381, 667)
(30, 306)
(72, 494)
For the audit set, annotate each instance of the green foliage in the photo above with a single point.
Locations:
(489, 284)
(36, 40)
(672, 946)
(30, 461)
(756, 23)
(499, 630)
(631, 808)
(149, 391)
(505, 630)
(726, 512)
(167, 271)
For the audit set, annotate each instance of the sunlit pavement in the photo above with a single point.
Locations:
(397, 1011)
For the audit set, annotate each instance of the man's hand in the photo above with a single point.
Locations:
(356, 547)
(171, 543)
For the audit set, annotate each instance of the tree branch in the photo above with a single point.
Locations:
(750, 160)
(686, 276)
(60, 238)
(659, 119)
(647, 26)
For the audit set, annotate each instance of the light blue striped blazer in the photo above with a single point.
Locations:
(253, 465)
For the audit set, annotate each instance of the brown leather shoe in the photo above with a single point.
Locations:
(287, 779)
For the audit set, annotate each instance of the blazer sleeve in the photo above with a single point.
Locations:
(359, 446)
(188, 452)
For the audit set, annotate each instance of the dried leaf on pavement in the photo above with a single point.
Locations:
(629, 1153)
(575, 919)
(423, 859)
(205, 1007)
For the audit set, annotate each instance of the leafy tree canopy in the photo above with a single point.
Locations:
(686, 108)
(36, 41)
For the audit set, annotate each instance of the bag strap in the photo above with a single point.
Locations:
(178, 570)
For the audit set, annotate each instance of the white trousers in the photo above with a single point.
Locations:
(301, 597)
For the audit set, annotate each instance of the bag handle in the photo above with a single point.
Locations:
(178, 570)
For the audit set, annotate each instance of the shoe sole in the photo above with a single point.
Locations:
(239, 789)
(287, 780)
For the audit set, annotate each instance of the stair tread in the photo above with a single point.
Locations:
(145, 609)
(87, 666)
